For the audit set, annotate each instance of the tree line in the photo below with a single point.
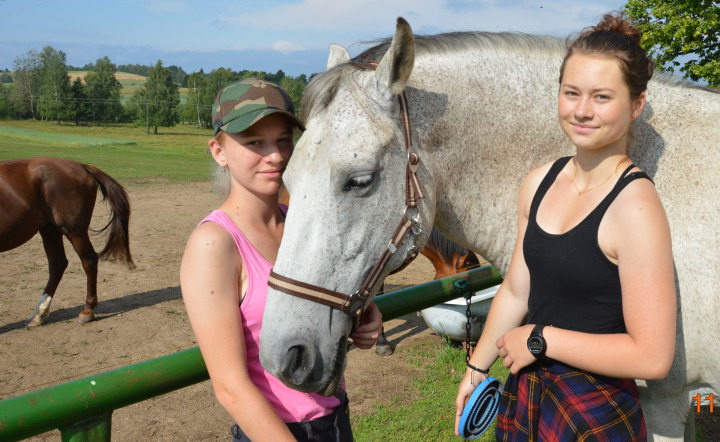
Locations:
(177, 73)
(40, 88)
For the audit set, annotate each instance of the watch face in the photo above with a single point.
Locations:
(535, 345)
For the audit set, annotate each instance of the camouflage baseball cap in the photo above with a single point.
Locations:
(243, 103)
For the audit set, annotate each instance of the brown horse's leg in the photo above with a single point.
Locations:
(383, 346)
(83, 247)
(57, 263)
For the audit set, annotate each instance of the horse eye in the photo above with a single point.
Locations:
(358, 182)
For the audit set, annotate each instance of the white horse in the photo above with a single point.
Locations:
(483, 112)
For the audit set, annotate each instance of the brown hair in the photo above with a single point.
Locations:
(615, 37)
(220, 136)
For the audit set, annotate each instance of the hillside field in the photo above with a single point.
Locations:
(131, 83)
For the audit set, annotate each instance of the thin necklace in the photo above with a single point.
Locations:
(580, 192)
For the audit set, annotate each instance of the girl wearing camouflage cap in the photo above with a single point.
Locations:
(227, 262)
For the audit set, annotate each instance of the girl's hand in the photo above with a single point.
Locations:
(468, 384)
(367, 334)
(512, 347)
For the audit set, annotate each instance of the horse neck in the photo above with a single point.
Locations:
(480, 132)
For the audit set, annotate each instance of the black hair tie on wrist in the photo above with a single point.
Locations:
(474, 368)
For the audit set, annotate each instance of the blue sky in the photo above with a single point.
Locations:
(262, 35)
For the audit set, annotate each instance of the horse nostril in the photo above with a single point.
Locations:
(294, 366)
(295, 355)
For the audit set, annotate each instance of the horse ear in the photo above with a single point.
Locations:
(338, 55)
(396, 65)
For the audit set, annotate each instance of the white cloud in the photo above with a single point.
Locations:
(286, 47)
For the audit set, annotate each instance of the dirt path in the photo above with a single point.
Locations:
(141, 315)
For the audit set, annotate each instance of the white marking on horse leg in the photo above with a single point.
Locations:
(42, 311)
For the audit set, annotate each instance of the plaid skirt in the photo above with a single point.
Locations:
(551, 401)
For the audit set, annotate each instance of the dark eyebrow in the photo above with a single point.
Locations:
(594, 91)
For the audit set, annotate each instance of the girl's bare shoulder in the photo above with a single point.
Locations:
(210, 243)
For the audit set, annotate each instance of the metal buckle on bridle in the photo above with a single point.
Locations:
(355, 308)
(415, 229)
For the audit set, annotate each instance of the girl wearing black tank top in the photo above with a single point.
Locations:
(592, 276)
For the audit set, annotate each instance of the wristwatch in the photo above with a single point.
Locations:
(536, 343)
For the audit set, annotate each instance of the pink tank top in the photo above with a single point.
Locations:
(289, 404)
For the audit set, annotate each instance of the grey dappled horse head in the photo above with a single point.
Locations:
(483, 109)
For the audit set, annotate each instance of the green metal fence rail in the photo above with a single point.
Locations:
(82, 409)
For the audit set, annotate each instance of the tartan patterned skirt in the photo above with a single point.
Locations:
(551, 401)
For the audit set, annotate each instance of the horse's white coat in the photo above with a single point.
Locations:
(483, 115)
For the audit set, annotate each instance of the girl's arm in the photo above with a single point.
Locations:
(210, 278)
(637, 233)
(510, 304)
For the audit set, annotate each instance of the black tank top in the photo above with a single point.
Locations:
(572, 283)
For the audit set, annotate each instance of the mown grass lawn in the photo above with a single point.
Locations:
(124, 151)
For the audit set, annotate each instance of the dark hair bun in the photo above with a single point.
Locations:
(616, 37)
(615, 22)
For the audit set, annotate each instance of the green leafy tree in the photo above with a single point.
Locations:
(103, 90)
(136, 69)
(194, 105)
(215, 81)
(5, 78)
(681, 33)
(5, 104)
(28, 82)
(55, 83)
(178, 75)
(161, 97)
(78, 109)
(295, 86)
(276, 78)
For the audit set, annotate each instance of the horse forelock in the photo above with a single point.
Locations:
(323, 88)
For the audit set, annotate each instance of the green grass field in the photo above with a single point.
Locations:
(124, 151)
(129, 87)
(432, 416)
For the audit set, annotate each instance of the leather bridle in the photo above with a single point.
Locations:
(354, 304)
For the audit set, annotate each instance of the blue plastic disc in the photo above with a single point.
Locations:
(481, 409)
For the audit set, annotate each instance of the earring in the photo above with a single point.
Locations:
(222, 169)
(634, 116)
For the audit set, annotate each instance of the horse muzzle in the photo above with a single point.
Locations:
(303, 368)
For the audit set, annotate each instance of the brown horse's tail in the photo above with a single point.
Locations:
(118, 244)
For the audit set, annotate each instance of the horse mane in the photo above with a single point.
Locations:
(674, 80)
(321, 91)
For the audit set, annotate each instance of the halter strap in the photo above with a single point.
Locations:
(354, 304)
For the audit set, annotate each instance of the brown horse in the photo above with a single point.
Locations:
(448, 258)
(56, 197)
